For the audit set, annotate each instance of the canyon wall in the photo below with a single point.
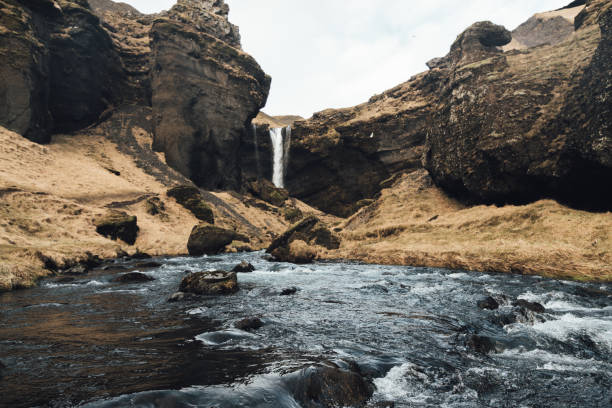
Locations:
(69, 64)
(494, 121)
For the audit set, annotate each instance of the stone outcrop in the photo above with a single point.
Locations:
(191, 198)
(118, 225)
(490, 126)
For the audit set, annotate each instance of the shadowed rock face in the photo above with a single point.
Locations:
(59, 69)
(64, 68)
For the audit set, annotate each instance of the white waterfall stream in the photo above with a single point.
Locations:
(281, 143)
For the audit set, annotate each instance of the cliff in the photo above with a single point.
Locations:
(71, 64)
(491, 126)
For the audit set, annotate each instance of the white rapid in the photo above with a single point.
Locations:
(281, 143)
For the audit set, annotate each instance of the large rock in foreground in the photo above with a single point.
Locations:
(210, 283)
(206, 239)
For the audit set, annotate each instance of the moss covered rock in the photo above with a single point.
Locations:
(292, 214)
(191, 198)
(210, 283)
(118, 225)
(265, 190)
(206, 239)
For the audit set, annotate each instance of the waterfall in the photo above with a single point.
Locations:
(281, 143)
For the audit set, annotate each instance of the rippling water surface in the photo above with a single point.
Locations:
(97, 343)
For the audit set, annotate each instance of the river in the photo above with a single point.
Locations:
(96, 343)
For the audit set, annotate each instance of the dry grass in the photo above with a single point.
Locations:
(50, 195)
(414, 223)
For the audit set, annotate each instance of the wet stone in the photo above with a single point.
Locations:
(133, 277)
(243, 267)
(249, 324)
(488, 303)
(289, 291)
(533, 306)
(210, 283)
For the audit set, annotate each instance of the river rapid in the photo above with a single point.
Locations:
(415, 334)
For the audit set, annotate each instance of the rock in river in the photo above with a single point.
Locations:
(133, 277)
(210, 283)
(243, 267)
(206, 239)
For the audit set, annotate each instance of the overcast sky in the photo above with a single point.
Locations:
(338, 53)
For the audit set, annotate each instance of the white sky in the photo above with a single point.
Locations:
(338, 53)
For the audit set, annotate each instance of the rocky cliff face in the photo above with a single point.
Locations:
(59, 69)
(205, 93)
(490, 126)
(69, 64)
(518, 126)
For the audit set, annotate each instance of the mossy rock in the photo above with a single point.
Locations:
(210, 283)
(265, 190)
(206, 239)
(312, 232)
(191, 198)
(292, 214)
(118, 225)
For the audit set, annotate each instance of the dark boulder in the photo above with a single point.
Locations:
(78, 269)
(533, 306)
(249, 324)
(243, 267)
(133, 277)
(292, 214)
(210, 283)
(480, 344)
(330, 386)
(488, 303)
(289, 291)
(118, 225)
(191, 198)
(206, 239)
(268, 192)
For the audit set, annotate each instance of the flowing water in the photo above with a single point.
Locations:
(97, 343)
(276, 136)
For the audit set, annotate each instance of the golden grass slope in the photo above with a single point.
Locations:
(51, 194)
(415, 223)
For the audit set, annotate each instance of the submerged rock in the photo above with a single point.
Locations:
(249, 324)
(133, 277)
(151, 264)
(488, 303)
(289, 291)
(181, 297)
(206, 239)
(210, 283)
(533, 306)
(118, 225)
(480, 344)
(330, 386)
(243, 267)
